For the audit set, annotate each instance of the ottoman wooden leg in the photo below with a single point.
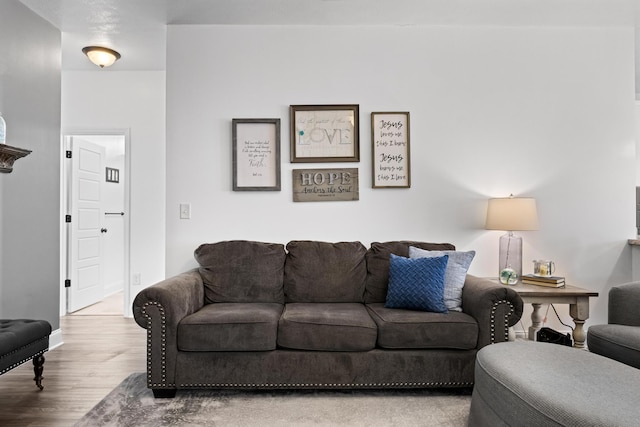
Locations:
(38, 367)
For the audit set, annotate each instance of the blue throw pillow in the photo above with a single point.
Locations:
(417, 284)
(454, 276)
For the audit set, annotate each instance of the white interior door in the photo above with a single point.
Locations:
(87, 177)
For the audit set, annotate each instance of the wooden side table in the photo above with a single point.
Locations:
(577, 298)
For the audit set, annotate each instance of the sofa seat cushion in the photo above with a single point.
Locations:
(327, 327)
(230, 327)
(409, 329)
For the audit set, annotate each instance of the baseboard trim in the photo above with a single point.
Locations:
(55, 339)
(521, 335)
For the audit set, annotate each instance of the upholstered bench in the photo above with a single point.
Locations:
(21, 340)
(528, 383)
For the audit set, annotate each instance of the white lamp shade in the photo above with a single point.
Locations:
(512, 214)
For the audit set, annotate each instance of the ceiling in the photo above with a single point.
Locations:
(137, 28)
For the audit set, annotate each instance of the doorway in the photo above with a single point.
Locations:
(95, 239)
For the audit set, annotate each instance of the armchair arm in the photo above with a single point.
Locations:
(624, 301)
(159, 309)
(494, 306)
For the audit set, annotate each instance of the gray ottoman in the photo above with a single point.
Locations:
(526, 383)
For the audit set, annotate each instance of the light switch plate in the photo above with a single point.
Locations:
(185, 211)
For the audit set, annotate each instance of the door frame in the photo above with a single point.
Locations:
(65, 204)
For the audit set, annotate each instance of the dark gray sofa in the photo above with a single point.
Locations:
(619, 339)
(257, 316)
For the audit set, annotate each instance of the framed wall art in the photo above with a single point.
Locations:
(390, 152)
(325, 133)
(325, 185)
(256, 154)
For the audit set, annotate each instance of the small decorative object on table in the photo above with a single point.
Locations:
(543, 268)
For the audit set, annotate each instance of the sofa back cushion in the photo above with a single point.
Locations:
(242, 271)
(325, 272)
(378, 257)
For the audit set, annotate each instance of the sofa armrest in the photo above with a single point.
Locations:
(624, 301)
(494, 306)
(159, 309)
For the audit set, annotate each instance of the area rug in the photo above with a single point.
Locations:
(132, 404)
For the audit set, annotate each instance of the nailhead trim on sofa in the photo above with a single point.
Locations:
(163, 348)
(333, 385)
(494, 308)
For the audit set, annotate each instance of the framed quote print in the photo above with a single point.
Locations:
(390, 151)
(256, 154)
(324, 133)
(325, 185)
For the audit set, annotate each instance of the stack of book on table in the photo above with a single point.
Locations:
(549, 281)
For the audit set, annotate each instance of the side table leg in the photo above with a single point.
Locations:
(578, 334)
(536, 321)
(579, 313)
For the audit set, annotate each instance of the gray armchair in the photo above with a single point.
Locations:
(620, 338)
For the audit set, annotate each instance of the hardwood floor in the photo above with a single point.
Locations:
(97, 354)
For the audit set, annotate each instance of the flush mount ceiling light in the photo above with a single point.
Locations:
(101, 56)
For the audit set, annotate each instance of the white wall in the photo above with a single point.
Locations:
(29, 196)
(116, 100)
(540, 112)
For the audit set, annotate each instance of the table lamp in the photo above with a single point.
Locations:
(511, 214)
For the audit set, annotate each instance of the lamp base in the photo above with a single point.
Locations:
(510, 259)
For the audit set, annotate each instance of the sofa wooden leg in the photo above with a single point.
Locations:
(38, 367)
(164, 393)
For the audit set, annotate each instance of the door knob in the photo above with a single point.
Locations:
(103, 230)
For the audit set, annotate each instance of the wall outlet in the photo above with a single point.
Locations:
(136, 279)
(185, 211)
